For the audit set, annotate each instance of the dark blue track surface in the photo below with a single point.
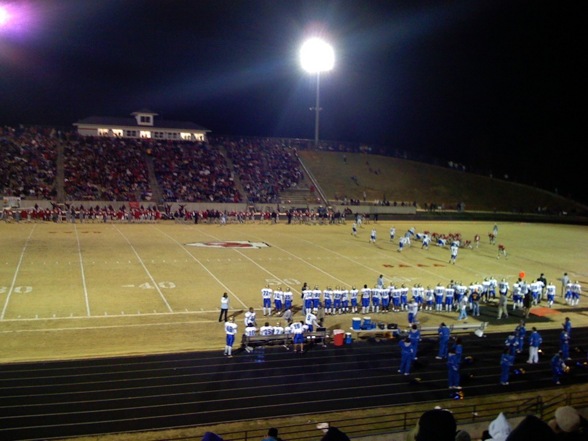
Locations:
(83, 397)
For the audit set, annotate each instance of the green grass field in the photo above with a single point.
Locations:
(91, 290)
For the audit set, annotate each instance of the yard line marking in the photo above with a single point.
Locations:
(82, 271)
(85, 318)
(169, 308)
(226, 288)
(126, 325)
(11, 290)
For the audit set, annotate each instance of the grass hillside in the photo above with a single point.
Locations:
(381, 177)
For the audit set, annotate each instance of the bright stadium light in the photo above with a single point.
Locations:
(4, 16)
(317, 56)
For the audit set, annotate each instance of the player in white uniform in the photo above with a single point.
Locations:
(266, 297)
(365, 299)
(298, 329)
(376, 298)
(353, 295)
(266, 329)
(307, 300)
(429, 298)
(337, 298)
(250, 331)
(517, 297)
(413, 309)
(550, 290)
(310, 321)
(395, 294)
(453, 258)
(439, 296)
(460, 292)
(426, 242)
(576, 293)
(250, 317)
(392, 233)
(328, 300)
(404, 297)
(492, 284)
(373, 236)
(279, 300)
(385, 291)
(448, 301)
(316, 299)
(230, 331)
(278, 329)
(288, 298)
(344, 301)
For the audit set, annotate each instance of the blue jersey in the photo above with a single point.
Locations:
(535, 339)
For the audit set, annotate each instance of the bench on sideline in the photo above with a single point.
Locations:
(477, 328)
(320, 336)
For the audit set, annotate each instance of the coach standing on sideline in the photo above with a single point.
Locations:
(224, 309)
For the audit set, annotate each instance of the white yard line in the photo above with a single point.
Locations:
(169, 308)
(126, 325)
(82, 272)
(204, 267)
(11, 290)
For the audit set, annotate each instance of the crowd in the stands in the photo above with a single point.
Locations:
(125, 169)
(105, 169)
(193, 172)
(27, 162)
(265, 167)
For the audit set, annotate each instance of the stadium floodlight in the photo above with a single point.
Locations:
(317, 56)
(4, 16)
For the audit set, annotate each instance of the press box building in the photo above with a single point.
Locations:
(141, 124)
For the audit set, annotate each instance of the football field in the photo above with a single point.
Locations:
(94, 289)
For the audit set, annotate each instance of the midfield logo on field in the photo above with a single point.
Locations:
(229, 244)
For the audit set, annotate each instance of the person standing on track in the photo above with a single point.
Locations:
(444, 334)
(558, 367)
(230, 331)
(520, 333)
(506, 361)
(564, 344)
(567, 325)
(535, 341)
(453, 361)
(415, 337)
(406, 356)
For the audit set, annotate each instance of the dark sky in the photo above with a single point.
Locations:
(487, 83)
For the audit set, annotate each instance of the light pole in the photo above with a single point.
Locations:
(317, 56)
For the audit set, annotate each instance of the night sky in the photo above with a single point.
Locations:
(491, 84)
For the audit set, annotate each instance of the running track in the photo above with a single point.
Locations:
(99, 396)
